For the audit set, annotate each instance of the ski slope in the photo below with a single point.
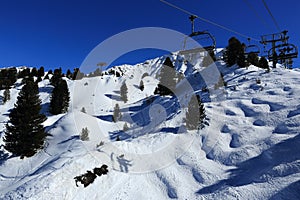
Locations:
(250, 150)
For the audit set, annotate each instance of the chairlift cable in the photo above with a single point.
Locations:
(228, 29)
(209, 21)
(178, 8)
(262, 20)
(272, 16)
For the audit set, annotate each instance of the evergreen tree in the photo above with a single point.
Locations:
(253, 59)
(97, 72)
(24, 73)
(8, 77)
(27, 79)
(117, 113)
(234, 53)
(195, 114)
(69, 74)
(56, 78)
(24, 133)
(34, 72)
(141, 86)
(41, 71)
(77, 75)
(125, 127)
(83, 110)
(124, 91)
(60, 98)
(263, 63)
(84, 135)
(167, 82)
(6, 95)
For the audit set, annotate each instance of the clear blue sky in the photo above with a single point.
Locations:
(60, 33)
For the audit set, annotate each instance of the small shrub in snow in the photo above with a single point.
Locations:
(117, 113)
(100, 144)
(141, 85)
(125, 127)
(124, 91)
(258, 81)
(84, 135)
(83, 110)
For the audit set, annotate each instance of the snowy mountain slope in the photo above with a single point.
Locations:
(250, 150)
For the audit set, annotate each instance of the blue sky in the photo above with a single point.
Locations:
(55, 33)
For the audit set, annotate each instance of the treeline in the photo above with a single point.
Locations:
(9, 76)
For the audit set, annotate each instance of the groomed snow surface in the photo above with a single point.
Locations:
(250, 150)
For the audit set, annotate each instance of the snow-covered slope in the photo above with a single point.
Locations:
(250, 150)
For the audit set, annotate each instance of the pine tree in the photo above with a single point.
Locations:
(117, 113)
(60, 98)
(56, 78)
(84, 135)
(124, 91)
(69, 74)
(141, 86)
(24, 73)
(77, 75)
(34, 72)
(263, 63)
(97, 72)
(125, 127)
(8, 77)
(253, 59)
(235, 53)
(41, 71)
(6, 95)
(167, 82)
(24, 133)
(195, 114)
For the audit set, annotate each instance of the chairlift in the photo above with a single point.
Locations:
(252, 48)
(204, 39)
(197, 36)
(283, 52)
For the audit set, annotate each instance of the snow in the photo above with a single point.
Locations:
(250, 150)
